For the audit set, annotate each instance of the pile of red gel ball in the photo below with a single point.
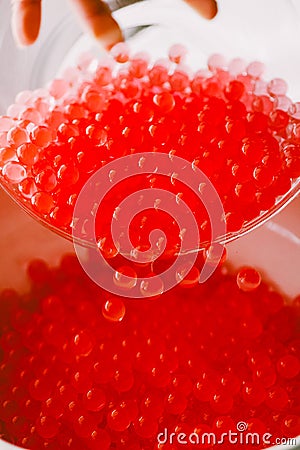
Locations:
(82, 369)
(241, 131)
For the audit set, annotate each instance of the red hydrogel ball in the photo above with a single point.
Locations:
(288, 366)
(118, 419)
(248, 279)
(114, 309)
(47, 427)
(94, 399)
(83, 343)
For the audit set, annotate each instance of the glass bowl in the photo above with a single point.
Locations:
(251, 33)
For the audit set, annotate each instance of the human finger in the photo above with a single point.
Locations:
(96, 17)
(26, 20)
(207, 8)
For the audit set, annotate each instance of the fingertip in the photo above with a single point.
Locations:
(107, 32)
(213, 10)
(207, 8)
(25, 23)
(96, 18)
